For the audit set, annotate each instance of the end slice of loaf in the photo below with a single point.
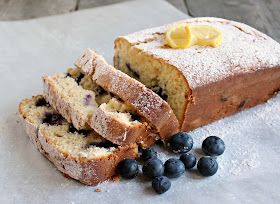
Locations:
(78, 99)
(80, 154)
(148, 104)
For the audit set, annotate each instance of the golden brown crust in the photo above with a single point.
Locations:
(89, 172)
(120, 133)
(149, 105)
(230, 96)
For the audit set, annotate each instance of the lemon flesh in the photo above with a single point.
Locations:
(179, 36)
(184, 35)
(207, 35)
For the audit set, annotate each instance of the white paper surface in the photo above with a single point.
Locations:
(249, 169)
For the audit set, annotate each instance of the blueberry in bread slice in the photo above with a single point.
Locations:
(81, 154)
(201, 83)
(148, 105)
(88, 106)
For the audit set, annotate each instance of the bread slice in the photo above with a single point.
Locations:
(81, 154)
(109, 119)
(154, 110)
(78, 100)
(204, 84)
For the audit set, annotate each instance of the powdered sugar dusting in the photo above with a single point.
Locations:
(243, 50)
(244, 134)
(120, 83)
(145, 103)
(136, 93)
(100, 66)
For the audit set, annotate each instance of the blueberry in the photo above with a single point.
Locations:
(207, 166)
(104, 144)
(87, 99)
(128, 168)
(79, 78)
(213, 146)
(162, 93)
(159, 91)
(241, 104)
(135, 117)
(161, 184)
(180, 142)
(189, 160)
(52, 119)
(134, 74)
(72, 129)
(148, 153)
(41, 102)
(153, 168)
(173, 168)
(100, 91)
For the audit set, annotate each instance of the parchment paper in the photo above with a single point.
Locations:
(249, 170)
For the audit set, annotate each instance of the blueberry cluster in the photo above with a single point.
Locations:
(160, 173)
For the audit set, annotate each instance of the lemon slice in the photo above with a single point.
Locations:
(206, 35)
(179, 36)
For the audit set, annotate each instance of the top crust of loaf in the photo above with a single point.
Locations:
(147, 103)
(243, 50)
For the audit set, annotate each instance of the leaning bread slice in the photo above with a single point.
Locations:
(148, 104)
(80, 154)
(87, 106)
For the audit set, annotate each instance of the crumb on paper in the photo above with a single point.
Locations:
(98, 190)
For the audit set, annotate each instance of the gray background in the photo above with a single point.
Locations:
(261, 14)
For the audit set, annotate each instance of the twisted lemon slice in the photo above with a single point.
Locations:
(206, 35)
(184, 35)
(179, 36)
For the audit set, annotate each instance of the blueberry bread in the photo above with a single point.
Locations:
(80, 154)
(203, 84)
(149, 106)
(88, 106)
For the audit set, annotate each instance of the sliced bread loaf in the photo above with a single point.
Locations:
(80, 154)
(151, 107)
(87, 106)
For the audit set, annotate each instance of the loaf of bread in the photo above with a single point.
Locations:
(152, 108)
(200, 83)
(95, 109)
(79, 154)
